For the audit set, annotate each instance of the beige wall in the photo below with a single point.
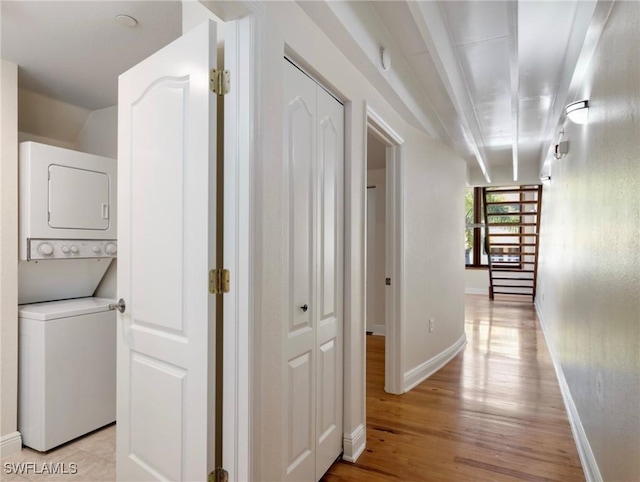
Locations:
(50, 118)
(9, 438)
(589, 275)
(433, 265)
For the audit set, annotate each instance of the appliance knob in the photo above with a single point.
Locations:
(65, 249)
(96, 249)
(74, 249)
(111, 249)
(46, 249)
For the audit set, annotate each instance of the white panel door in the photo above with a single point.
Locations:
(314, 159)
(300, 130)
(371, 258)
(329, 274)
(166, 232)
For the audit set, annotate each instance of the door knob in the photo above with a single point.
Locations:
(304, 307)
(120, 306)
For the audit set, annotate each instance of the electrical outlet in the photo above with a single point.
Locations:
(432, 324)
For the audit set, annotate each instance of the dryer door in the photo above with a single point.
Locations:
(68, 185)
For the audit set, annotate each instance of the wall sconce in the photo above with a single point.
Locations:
(562, 149)
(545, 179)
(578, 111)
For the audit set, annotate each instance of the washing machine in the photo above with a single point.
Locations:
(67, 374)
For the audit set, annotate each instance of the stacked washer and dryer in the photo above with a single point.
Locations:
(67, 338)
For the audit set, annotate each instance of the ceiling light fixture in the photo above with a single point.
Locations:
(578, 111)
(126, 20)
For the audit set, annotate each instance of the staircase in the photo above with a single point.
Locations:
(512, 220)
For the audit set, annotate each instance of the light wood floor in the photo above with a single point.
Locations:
(493, 413)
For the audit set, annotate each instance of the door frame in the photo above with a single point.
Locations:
(394, 246)
(244, 27)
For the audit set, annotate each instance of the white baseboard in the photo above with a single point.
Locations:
(380, 330)
(423, 371)
(353, 444)
(588, 460)
(10, 444)
(476, 291)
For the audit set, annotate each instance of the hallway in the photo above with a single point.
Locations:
(494, 413)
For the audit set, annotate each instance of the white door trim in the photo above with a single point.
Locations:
(238, 215)
(394, 371)
(244, 27)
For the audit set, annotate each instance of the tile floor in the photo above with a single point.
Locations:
(94, 456)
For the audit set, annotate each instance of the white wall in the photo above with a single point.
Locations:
(99, 133)
(434, 247)
(99, 136)
(476, 281)
(9, 437)
(376, 320)
(433, 266)
(589, 273)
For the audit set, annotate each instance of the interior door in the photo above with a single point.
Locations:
(329, 273)
(312, 391)
(166, 233)
(371, 259)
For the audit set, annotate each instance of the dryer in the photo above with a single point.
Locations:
(67, 222)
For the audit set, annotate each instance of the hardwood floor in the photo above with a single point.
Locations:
(493, 413)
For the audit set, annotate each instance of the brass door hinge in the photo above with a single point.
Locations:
(220, 81)
(219, 281)
(218, 475)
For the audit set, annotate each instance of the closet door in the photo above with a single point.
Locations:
(329, 273)
(300, 127)
(312, 388)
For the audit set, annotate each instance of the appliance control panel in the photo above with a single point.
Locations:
(71, 248)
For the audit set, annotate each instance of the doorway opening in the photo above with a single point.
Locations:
(385, 223)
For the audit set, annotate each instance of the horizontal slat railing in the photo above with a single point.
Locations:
(512, 272)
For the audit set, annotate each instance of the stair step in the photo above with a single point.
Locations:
(513, 286)
(511, 244)
(507, 203)
(510, 224)
(511, 279)
(515, 213)
(511, 190)
(507, 293)
(513, 270)
(512, 253)
(511, 234)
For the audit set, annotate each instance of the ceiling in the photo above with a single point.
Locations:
(74, 51)
(499, 63)
(488, 78)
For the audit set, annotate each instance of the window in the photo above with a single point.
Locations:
(474, 253)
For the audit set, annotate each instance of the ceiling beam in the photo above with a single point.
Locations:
(514, 73)
(435, 33)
